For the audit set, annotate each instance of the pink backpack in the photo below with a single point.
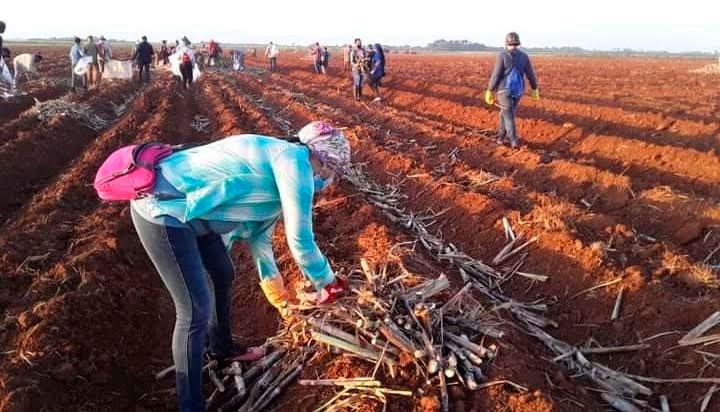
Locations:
(129, 172)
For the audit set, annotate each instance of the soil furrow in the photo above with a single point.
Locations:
(546, 259)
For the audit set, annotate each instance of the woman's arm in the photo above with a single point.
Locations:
(294, 179)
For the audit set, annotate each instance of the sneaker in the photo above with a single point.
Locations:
(377, 99)
(514, 144)
(500, 141)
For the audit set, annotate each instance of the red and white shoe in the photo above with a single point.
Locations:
(330, 293)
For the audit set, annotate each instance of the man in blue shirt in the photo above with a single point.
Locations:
(76, 53)
(507, 60)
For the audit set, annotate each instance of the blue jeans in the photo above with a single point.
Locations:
(357, 79)
(508, 106)
(198, 273)
(273, 64)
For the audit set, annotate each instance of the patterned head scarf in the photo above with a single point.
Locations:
(328, 144)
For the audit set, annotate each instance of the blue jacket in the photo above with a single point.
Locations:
(144, 53)
(503, 65)
(76, 53)
(378, 65)
(252, 181)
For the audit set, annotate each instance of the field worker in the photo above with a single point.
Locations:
(187, 62)
(163, 55)
(236, 188)
(93, 73)
(271, 52)
(238, 57)
(3, 68)
(357, 60)
(508, 81)
(104, 55)
(76, 53)
(2, 30)
(316, 55)
(346, 57)
(325, 60)
(214, 53)
(25, 64)
(377, 72)
(144, 57)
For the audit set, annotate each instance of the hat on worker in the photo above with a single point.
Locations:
(328, 144)
(512, 39)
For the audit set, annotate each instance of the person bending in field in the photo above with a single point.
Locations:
(508, 81)
(236, 188)
(377, 71)
(25, 64)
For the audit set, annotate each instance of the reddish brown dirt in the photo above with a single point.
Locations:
(86, 322)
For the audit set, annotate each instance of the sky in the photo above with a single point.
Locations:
(675, 26)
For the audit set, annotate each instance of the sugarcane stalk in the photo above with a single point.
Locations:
(350, 347)
(165, 372)
(260, 405)
(216, 381)
(395, 337)
(331, 330)
(259, 387)
(262, 364)
(463, 341)
(367, 382)
(444, 398)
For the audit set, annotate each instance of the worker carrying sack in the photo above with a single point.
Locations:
(129, 172)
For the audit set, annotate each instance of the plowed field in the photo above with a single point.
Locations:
(618, 179)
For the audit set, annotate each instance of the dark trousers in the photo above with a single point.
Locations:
(508, 106)
(198, 273)
(273, 64)
(186, 70)
(144, 67)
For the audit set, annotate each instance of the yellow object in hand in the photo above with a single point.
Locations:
(489, 98)
(535, 94)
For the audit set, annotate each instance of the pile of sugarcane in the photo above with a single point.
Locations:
(415, 337)
(50, 109)
(252, 388)
(407, 328)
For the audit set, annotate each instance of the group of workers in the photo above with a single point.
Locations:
(238, 188)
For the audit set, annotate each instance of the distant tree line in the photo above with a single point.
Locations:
(469, 46)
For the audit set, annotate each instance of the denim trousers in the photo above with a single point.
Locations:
(508, 106)
(198, 273)
(357, 78)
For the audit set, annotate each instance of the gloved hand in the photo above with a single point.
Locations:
(535, 94)
(489, 98)
(276, 294)
(330, 292)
